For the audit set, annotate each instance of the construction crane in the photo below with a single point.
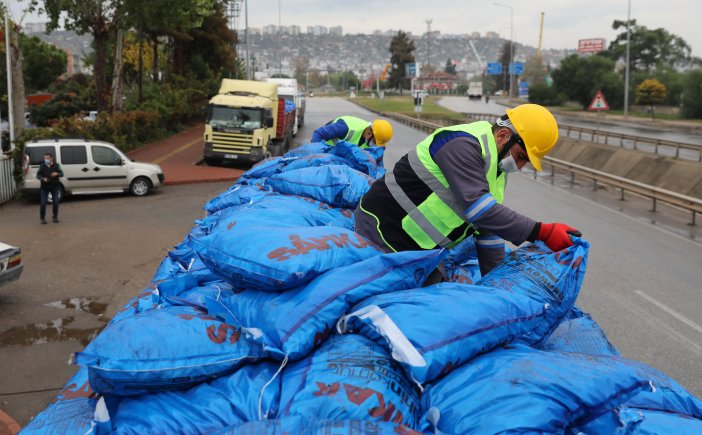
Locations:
(475, 51)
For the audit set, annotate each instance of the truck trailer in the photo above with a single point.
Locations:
(247, 121)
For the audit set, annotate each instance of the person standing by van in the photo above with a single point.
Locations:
(49, 173)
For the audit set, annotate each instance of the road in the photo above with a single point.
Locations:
(642, 283)
(692, 137)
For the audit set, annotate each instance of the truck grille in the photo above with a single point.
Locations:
(231, 142)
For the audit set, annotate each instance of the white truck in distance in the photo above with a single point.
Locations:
(287, 88)
(475, 90)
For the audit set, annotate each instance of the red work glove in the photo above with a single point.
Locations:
(557, 235)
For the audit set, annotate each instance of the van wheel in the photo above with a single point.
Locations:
(61, 195)
(141, 186)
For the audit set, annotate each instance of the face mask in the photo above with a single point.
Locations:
(47, 162)
(371, 143)
(508, 165)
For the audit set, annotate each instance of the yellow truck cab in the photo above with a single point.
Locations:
(246, 121)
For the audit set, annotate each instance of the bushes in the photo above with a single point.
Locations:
(545, 95)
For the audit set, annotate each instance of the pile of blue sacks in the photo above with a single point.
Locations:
(273, 316)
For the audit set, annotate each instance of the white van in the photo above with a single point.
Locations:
(90, 167)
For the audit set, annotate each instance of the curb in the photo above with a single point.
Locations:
(8, 426)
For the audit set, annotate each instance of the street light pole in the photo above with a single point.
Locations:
(511, 45)
(10, 111)
(626, 70)
(246, 35)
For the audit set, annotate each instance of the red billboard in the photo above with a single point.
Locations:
(594, 45)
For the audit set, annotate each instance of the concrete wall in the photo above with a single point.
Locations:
(680, 176)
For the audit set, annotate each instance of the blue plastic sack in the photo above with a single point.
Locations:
(307, 149)
(518, 389)
(335, 185)
(547, 277)
(289, 106)
(164, 349)
(635, 421)
(315, 160)
(361, 159)
(237, 195)
(668, 396)
(71, 412)
(349, 378)
(273, 259)
(292, 323)
(251, 393)
(302, 426)
(578, 332)
(431, 330)
(275, 210)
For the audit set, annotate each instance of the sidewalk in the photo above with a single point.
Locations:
(179, 156)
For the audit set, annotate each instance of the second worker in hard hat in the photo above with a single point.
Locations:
(355, 130)
(451, 186)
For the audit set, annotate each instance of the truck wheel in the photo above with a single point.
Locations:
(212, 161)
(140, 186)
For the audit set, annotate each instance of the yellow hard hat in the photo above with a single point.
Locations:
(538, 129)
(382, 132)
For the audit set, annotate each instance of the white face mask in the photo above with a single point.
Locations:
(508, 164)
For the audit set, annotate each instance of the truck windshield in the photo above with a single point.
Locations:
(235, 117)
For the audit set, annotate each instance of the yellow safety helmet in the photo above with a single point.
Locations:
(538, 129)
(382, 132)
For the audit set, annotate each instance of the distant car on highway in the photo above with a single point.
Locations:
(10, 263)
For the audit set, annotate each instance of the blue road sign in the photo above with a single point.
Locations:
(494, 68)
(523, 90)
(411, 70)
(516, 68)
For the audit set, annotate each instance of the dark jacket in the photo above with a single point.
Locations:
(46, 171)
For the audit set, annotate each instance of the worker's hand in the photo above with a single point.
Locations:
(54, 174)
(557, 235)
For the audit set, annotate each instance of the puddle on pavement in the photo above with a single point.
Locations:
(59, 329)
(40, 333)
(87, 305)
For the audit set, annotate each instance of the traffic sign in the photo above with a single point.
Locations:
(523, 89)
(411, 70)
(599, 102)
(494, 68)
(516, 68)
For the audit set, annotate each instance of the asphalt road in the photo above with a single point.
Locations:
(642, 284)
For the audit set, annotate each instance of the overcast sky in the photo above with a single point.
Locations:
(565, 21)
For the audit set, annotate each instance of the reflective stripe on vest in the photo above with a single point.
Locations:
(429, 223)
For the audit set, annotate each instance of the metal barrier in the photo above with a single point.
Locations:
(8, 187)
(618, 139)
(689, 203)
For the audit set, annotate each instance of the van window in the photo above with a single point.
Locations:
(36, 153)
(73, 155)
(105, 156)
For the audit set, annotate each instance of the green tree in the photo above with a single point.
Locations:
(99, 18)
(401, 48)
(450, 67)
(649, 47)
(578, 78)
(692, 94)
(534, 71)
(650, 92)
(43, 63)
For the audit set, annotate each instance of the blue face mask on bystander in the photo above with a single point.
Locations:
(47, 162)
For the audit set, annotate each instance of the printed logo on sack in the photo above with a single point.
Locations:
(219, 335)
(303, 246)
(231, 225)
(71, 392)
(358, 395)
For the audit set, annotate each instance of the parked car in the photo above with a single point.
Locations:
(10, 263)
(90, 167)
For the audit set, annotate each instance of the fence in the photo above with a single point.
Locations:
(8, 187)
(657, 146)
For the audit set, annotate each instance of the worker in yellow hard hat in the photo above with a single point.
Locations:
(355, 130)
(451, 186)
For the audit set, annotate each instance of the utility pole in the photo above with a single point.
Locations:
(511, 44)
(626, 70)
(10, 111)
(428, 39)
(246, 35)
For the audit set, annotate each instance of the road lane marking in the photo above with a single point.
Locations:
(180, 149)
(670, 311)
